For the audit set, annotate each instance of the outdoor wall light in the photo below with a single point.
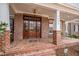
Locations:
(65, 51)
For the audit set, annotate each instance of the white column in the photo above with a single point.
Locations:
(76, 28)
(72, 28)
(56, 22)
(66, 31)
(4, 14)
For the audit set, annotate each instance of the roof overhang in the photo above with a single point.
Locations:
(61, 7)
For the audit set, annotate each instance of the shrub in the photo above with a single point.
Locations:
(73, 36)
(2, 28)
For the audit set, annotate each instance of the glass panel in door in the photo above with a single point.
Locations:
(26, 28)
(32, 29)
(38, 29)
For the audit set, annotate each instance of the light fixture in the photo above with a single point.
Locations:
(34, 10)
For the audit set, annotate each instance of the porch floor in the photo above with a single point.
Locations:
(39, 48)
(31, 48)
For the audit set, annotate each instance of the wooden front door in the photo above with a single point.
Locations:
(32, 27)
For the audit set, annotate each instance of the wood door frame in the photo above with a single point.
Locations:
(36, 19)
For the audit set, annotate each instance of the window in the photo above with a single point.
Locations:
(32, 25)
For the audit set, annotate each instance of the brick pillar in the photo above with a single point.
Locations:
(57, 29)
(56, 37)
(7, 38)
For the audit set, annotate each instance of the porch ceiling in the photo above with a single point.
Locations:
(42, 10)
(68, 16)
(28, 8)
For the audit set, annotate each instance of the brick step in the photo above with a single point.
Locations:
(46, 52)
(22, 50)
(73, 52)
(77, 48)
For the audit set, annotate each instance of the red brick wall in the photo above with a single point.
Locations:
(18, 27)
(44, 27)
